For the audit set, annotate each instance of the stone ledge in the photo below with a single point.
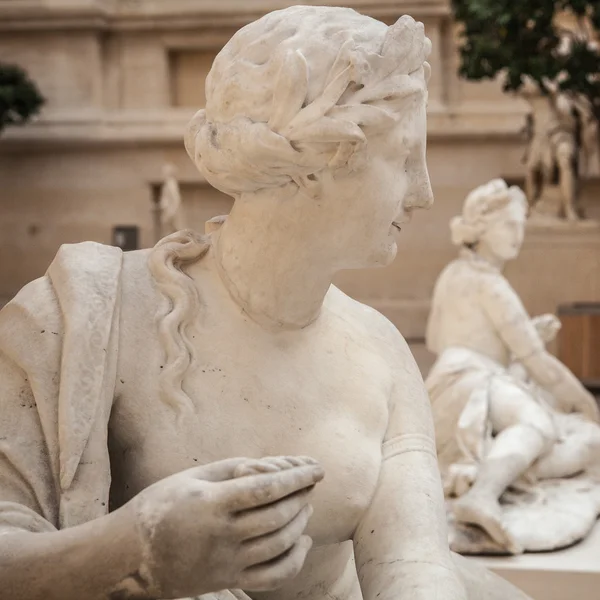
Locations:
(586, 233)
(571, 573)
(97, 128)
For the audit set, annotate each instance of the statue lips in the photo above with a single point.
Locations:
(405, 217)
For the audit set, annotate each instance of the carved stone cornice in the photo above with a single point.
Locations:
(118, 15)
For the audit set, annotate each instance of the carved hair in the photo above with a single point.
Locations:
(167, 262)
(482, 207)
(297, 91)
(289, 96)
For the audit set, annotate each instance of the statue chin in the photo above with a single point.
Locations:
(384, 256)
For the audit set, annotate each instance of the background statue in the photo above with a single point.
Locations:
(170, 209)
(120, 372)
(550, 54)
(517, 434)
(562, 138)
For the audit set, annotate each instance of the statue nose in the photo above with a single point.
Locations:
(421, 194)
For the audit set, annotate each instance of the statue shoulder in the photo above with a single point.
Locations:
(461, 275)
(34, 309)
(141, 302)
(33, 322)
(373, 327)
(136, 274)
(75, 265)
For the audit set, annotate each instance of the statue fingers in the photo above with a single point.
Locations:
(262, 521)
(254, 467)
(275, 573)
(253, 491)
(268, 547)
(271, 464)
(220, 470)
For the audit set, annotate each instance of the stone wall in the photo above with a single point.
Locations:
(123, 77)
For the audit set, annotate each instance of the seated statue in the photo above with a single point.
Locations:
(518, 439)
(128, 381)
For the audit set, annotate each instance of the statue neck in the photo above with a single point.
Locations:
(278, 279)
(483, 258)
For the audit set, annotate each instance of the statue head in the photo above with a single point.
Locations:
(315, 123)
(326, 106)
(493, 217)
(169, 170)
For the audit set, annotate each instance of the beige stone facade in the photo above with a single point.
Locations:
(123, 76)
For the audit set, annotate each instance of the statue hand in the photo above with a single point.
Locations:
(231, 524)
(547, 326)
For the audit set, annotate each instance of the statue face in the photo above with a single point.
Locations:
(367, 208)
(504, 236)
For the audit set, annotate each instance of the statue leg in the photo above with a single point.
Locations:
(523, 432)
(532, 188)
(579, 450)
(568, 179)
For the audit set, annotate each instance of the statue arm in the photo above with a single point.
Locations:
(37, 561)
(519, 333)
(401, 544)
(57, 542)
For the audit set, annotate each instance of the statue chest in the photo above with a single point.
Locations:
(262, 401)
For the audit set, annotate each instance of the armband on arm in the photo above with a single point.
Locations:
(410, 442)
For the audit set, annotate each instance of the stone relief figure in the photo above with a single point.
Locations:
(518, 439)
(129, 380)
(169, 205)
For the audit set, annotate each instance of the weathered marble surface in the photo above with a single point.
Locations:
(128, 381)
(518, 438)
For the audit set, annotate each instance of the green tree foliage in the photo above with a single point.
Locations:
(520, 38)
(20, 98)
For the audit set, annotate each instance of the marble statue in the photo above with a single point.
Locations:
(562, 139)
(169, 205)
(518, 439)
(128, 381)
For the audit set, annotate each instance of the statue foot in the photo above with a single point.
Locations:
(486, 513)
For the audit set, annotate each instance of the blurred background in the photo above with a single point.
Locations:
(95, 95)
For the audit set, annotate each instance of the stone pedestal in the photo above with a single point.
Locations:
(571, 573)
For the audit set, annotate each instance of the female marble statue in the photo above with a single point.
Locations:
(512, 422)
(121, 372)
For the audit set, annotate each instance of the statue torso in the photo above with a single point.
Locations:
(459, 316)
(322, 391)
